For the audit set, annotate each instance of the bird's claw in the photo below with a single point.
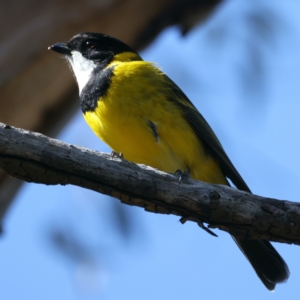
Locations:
(115, 154)
(182, 176)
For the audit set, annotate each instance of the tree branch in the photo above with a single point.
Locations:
(34, 157)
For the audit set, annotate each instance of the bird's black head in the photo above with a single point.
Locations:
(98, 47)
(89, 53)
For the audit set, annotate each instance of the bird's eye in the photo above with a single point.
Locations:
(90, 45)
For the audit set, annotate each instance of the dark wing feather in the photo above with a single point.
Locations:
(206, 135)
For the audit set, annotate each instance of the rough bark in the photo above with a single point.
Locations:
(34, 157)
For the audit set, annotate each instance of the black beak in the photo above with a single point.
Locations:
(60, 48)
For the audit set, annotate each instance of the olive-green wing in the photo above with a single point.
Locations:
(205, 134)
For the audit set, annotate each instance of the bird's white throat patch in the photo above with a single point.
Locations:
(82, 68)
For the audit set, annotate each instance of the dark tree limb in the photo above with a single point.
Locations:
(34, 157)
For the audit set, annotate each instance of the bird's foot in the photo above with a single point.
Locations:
(182, 176)
(115, 154)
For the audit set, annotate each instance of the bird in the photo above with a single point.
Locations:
(136, 109)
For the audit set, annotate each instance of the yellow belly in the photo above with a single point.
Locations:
(121, 120)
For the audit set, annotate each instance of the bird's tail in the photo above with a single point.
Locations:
(266, 261)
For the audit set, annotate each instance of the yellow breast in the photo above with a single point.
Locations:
(134, 108)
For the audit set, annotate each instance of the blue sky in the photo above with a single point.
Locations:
(246, 84)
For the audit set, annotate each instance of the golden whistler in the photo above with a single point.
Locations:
(139, 111)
